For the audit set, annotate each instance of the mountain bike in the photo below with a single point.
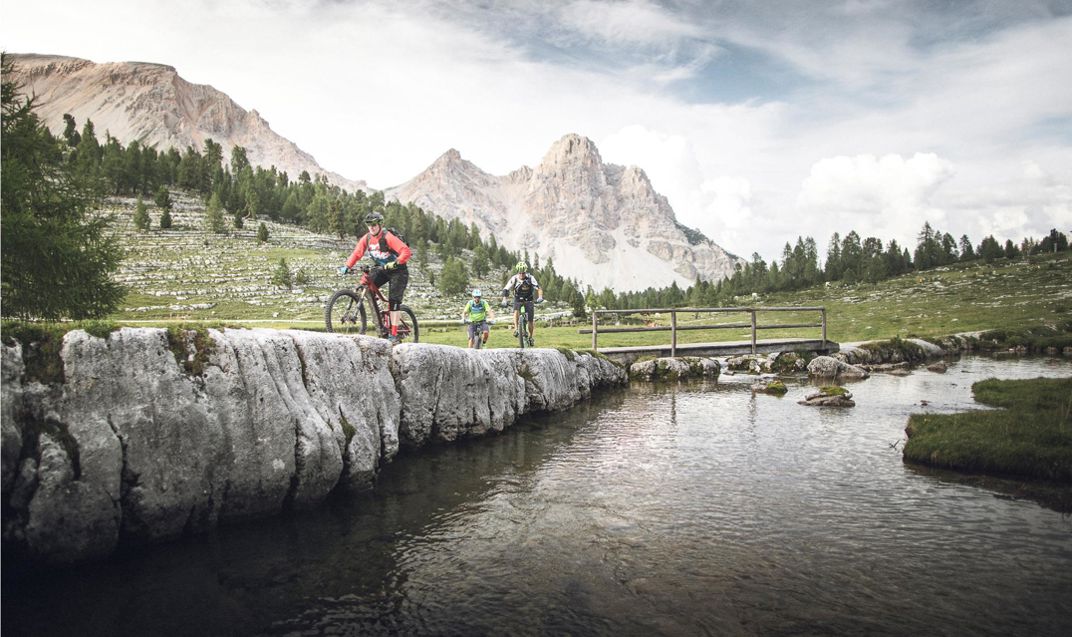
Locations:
(524, 339)
(365, 307)
(478, 342)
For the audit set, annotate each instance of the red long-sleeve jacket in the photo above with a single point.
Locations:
(383, 248)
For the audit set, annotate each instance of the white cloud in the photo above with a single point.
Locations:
(889, 197)
(623, 23)
(866, 141)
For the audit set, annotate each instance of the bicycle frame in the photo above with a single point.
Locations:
(355, 304)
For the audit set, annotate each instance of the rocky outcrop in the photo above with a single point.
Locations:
(153, 434)
(829, 367)
(682, 367)
(910, 350)
(602, 222)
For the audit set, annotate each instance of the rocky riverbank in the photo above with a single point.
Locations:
(144, 435)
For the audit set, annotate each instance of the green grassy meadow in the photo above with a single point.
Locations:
(1030, 435)
(187, 276)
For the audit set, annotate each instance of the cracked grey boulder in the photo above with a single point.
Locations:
(829, 367)
(149, 434)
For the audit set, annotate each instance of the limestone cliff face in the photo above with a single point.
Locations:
(139, 444)
(602, 224)
(152, 104)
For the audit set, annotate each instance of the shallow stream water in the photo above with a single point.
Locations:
(687, 509)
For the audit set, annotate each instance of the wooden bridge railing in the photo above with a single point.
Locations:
(674, 328)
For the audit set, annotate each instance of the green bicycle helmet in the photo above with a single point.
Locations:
(521, 267)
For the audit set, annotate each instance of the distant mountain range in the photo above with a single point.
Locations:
(152, 104)
(602, 224)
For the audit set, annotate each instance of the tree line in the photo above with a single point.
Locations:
(848, 260)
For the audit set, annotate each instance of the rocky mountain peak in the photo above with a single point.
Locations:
(602, 224)
(153, 104)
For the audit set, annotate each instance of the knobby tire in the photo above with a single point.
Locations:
(344, 313)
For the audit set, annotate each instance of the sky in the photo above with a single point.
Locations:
(760, 121)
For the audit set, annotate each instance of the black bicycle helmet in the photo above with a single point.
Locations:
(374, 218)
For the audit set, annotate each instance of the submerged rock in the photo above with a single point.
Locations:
(829, 397)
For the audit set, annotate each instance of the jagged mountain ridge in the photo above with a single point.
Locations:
(152, 104)
(602, 224)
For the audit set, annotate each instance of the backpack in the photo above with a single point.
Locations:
(393, 231)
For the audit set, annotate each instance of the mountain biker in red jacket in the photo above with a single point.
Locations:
(390, 254)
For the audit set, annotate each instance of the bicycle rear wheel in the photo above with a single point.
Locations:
(345, 312)
(407, 324)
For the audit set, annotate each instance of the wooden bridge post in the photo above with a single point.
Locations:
(753, 311)
(673, 334)
(822, 314)
(594, 332)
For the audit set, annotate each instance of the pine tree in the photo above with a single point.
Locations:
(454, 279)
(56, 260)
(165, 219)
(141, 216)
(262, 233)
(214, 223)
(281, 276)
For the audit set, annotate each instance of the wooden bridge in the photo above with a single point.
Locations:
(754, 345)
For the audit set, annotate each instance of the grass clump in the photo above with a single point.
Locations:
(833, 390)
(41, 344)
(1030, 437)
(191, 347)
(776, 387)
(1037, 338)
(897, 349)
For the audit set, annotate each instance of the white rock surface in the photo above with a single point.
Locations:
(139, 444)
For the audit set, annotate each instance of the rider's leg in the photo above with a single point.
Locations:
(399, 280)
(517, 315)
(484, 336)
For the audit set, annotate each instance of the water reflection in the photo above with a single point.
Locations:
(671, 509)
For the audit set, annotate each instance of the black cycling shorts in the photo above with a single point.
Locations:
(528, 307)
(398, 278)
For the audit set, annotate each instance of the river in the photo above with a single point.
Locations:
(695, 509)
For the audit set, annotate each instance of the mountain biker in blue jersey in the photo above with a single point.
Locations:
(476, 314)
(523, 286)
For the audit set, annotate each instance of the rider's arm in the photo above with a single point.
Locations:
(539, 290)
(359, 251)
(399, 247)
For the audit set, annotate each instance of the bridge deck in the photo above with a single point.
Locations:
(724, 348)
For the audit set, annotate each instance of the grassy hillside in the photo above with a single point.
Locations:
(187, 275)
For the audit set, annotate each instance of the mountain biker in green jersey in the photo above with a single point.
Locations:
(476, 314)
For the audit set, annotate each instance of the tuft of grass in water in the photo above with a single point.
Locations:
(1031, 436)
(833, 390)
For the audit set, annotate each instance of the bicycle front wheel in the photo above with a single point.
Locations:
(345, 313)
(522, 331)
